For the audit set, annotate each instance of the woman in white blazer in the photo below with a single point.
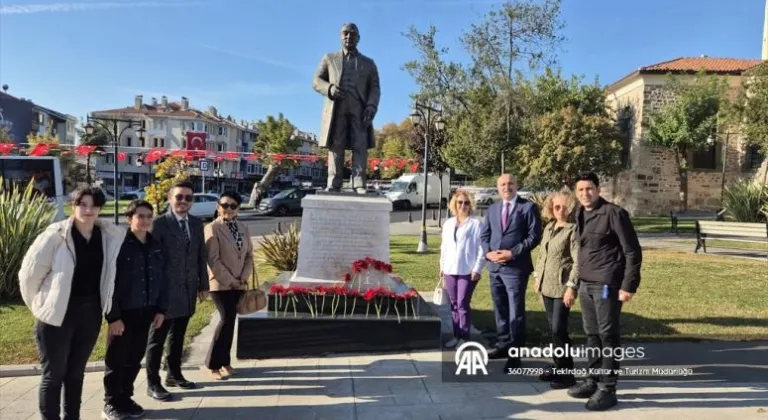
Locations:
(461, 262)
(67, 280)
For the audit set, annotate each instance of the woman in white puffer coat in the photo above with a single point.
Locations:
(67, 280)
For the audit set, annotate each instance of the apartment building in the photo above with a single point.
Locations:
(168, 126)
(21, 117)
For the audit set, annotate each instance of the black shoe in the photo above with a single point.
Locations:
(512, 363)
(181, 383)
(602, 400)
(547, 376)
(158, 392)
(132, 409)
(497, 354)
(562, 382)
(584, 389)
(111, 412)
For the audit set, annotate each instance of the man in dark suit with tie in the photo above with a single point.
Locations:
(181, 237)
(512, 229)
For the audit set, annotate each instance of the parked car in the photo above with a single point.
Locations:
(285, 202)
(487, 196)
(133, 195)
(205, 206)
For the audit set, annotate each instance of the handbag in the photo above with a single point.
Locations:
(440, 296)
(254, 299)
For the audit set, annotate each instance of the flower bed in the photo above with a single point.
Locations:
(349, 299)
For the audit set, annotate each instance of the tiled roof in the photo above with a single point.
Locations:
(690, 65)
(174, 110)
(709, 64)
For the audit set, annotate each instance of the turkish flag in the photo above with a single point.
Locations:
(155, 154)
(195, 141)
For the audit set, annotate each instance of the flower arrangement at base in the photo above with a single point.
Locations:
(349, 298)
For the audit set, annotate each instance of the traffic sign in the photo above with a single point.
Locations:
(204, 165)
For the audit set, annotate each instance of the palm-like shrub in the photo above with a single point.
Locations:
(745, 201)
(281, 249)
(24, 214)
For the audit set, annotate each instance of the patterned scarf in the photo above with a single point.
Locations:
(232, 225)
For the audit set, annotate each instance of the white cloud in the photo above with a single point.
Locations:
(25, 9)
(258, 58)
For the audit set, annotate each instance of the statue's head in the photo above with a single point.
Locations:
(350, 36)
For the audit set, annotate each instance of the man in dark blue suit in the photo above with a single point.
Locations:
(512, 229)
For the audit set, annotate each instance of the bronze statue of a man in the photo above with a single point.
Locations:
(350, 83)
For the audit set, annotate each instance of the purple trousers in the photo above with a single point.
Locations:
(460, 288)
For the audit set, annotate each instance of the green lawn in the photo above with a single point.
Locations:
(18, 342)
(681, 296)
(660, 224)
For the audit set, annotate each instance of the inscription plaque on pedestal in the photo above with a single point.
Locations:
(338, 230)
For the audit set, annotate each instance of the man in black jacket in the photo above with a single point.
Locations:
(609, 262)
(139, 301)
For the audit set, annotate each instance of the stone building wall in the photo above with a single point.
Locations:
(651, 187)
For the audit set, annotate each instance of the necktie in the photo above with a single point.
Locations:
(505, 216)
(183, 225)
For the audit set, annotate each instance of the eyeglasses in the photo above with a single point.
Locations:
(227, 206)
(187, 198)
(463, 203)
(143, 216)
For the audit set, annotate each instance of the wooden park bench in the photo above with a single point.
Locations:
(730, 231)
(691, 216)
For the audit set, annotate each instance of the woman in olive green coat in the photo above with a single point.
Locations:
(557, 279)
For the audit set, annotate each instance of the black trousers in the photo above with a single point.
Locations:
(221, 346)
(124, 354)
(557, 314)
(64, 353)
(172, 330)
(602, 327)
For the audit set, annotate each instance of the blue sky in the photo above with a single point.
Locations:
(251, 58)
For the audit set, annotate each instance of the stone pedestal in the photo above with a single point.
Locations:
(337, 230)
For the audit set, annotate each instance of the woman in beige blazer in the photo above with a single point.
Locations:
(230, 265)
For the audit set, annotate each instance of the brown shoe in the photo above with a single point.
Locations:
(216, 375)
(228, 371)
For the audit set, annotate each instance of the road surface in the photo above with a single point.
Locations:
(260, 225)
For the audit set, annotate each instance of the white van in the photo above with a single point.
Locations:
(408, 190)
(47, 175)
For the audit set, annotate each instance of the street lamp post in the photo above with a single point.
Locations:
(110, 125)
(425, 117)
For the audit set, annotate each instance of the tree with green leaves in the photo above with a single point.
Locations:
(750, 109)
(481, 108)
(99, 138)
(4, 136)
(688, 122)
(276, 136)
(569, 131)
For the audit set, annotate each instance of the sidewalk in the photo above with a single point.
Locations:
(672, 242)
(730, 381)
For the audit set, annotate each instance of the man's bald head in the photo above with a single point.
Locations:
(506, 184)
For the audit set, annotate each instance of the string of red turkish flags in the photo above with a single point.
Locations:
(156, 153)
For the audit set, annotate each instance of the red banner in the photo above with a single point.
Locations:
(155, 154)
(40, 149)
(195, 141)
